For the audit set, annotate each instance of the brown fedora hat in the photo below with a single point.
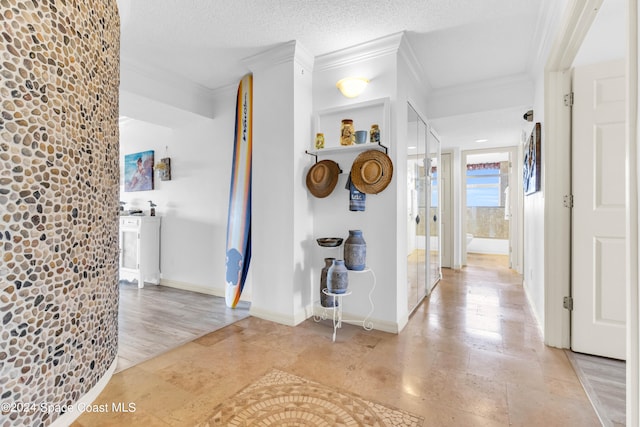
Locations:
(371, 171)
(322, 178)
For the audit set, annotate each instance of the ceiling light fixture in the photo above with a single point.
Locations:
(352, 87)
(481, 140)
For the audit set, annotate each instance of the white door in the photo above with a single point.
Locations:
(598, 215)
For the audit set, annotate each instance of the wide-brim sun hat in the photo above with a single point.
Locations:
(322, 178)
(371, 171)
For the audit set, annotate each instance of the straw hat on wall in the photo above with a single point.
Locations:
(322, 178)
(371, 171)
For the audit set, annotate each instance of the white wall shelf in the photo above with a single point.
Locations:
(363, 114)
(347, 149)
(331, 214)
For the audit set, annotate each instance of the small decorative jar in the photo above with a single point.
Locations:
(326, 300)
(374, 134)
(347, 132)
(337, 277)
(355, 251)
(319, 141)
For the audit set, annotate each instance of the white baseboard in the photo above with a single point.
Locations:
(272, 316)
(402, 323)
(533, 308)
(352, 319)
(196, 288)
(75, 410)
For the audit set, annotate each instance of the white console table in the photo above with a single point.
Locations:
(140, 249)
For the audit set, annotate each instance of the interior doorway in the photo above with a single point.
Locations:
(489, 204)
(577, 36)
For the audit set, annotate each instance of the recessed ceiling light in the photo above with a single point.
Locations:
(412, 147)
(482, 140)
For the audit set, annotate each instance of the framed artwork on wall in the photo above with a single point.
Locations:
(532, 158)
(138, 171)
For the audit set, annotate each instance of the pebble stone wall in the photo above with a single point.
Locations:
(59, 80)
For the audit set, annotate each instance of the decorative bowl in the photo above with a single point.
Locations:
(329, 242)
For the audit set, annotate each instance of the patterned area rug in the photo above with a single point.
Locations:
(283, 399)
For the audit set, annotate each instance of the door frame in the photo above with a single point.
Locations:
(446, 188)
(557, 182)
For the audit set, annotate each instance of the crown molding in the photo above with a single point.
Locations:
(161, 75)
(408, 54)
(280, 54)
(549, 16)
(165, 87)
(224, 90)
(513, 80)
(494, 94)
(304, 57)
(360, 52)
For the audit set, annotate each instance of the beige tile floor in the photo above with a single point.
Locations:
(471, 355)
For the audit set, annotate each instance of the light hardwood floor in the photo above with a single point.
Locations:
(155, 319)
(604, 381)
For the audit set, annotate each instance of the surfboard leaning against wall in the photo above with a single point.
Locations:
(238, 255)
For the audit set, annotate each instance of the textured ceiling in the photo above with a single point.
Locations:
(458, 42)
(204, 40)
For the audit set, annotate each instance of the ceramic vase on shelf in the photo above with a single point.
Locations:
(355, 251)
(337, 277)
(326, 300)
(347, 132)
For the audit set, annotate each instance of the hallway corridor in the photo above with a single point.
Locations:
(471, 355)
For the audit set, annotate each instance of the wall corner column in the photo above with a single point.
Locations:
(282, 221)
(59, 188)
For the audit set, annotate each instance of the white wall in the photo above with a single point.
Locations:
(534, 269)
(392, 72)
(332, 217)
(547, 221)
(193, 204)
(281, 218)
(303, 297)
